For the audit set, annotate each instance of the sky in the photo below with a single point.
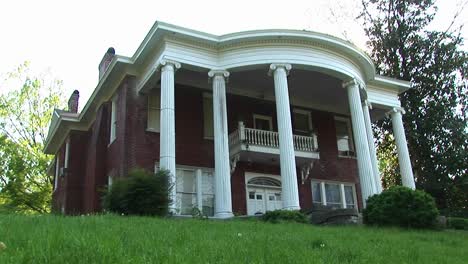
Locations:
(69, 38)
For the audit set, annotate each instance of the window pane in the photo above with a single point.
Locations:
(186, 181)
(301, 122)
(153, 119)
(316, 193)
(207, 183)
(333, 194)
(208, 204)
(349, 196)
(186, 202)
(208, 117)
(186, 187)
(153, 111)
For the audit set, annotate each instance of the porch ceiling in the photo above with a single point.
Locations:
(307, 88)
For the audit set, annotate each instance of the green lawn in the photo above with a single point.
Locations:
(115, 239)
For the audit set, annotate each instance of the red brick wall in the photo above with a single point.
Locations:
(76, 172)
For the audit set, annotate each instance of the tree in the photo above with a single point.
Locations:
(436, 107)
(25, 111)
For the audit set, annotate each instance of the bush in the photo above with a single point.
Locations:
(140, 193)
(284, 216)
(457, 223)
(401, 206)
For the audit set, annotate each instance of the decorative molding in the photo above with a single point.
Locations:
(305, 171)
(225, 74)
(274, 66)
(367, 104)
(233, 161)
(350, 83)
(395, 110)
(165, 62)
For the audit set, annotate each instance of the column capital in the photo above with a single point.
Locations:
(222, 73)
(165, 62)
(395, 110)
(353, 82)
(274, 66)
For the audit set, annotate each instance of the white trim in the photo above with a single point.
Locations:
(250, 175)
(263, 117)
(67, 154)
(113, 124)
(57, 170)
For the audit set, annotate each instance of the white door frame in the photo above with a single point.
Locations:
(264, 190)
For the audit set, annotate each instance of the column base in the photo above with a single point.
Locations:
(224, 215)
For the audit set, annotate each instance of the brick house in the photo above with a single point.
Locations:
(245, 122)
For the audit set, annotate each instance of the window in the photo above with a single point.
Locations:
(194, 189)
(333, 194)
(57, 170)
(263, 122)
(154, 110)
(344, 137)
(67, 155)
(186, 188)
(208, 130)
(113, 126)
(302, 122)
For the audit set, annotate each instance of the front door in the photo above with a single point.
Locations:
(261, 200)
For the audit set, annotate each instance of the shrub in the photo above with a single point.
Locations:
(401, 206)
(284, 216)
(140, 193)
(457, 223)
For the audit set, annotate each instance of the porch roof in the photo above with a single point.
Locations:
(165, 41)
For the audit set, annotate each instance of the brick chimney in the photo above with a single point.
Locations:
(73, 102)
(106, 60)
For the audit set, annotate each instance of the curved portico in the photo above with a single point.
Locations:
(280, 51)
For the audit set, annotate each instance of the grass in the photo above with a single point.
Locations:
(116, 239)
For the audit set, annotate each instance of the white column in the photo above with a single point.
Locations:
(402, 148)
(167, 133)
(289, 190)
(223, 204)
(198, 175)
(323, 193)
(343, 196)
(360, 139)
(370, 141)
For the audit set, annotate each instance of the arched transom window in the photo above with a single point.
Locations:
(264, 181)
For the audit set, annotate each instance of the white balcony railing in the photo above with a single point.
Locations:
(269, 139)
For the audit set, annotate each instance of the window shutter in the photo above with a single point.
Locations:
(208, 130)
(154, 108)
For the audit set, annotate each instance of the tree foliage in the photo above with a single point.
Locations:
(25, 109)
(403, 47)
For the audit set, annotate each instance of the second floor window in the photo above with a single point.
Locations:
(344, 139)
(302, 122)
(154, 111)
